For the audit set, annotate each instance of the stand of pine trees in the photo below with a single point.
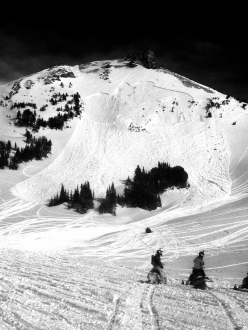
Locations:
(26, 118)
(81, 199)
(109, 203)
(58, 97)
(142, 191)
(29, 118)
(36, 148)
(23, 105)
(145, 188)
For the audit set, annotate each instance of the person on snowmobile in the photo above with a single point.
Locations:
(198, 265)
(157, 264)
(197, 269)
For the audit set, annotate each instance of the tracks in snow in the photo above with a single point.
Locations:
(134, 309)
(234, 307)
(56, 292)
(157, 307)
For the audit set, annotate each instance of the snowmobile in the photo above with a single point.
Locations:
(243, 286)
(240, 288)
(199, 281)
(154, 277)
(203, 283)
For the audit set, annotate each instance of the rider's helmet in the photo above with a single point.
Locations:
(201, 253)
(160, 252)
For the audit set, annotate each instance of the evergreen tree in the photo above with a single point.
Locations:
(108, 205)
(76, 196)
(103, 207)
(8, 147)
(111, 199)
(51, 202)
(13, 163)
(1, 162)
(86, 197)
(63, 197)
(76, 99)
(28, 136)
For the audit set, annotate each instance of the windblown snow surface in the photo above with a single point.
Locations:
(64, 270)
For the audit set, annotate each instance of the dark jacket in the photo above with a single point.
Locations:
(157, 261)
(199, 263)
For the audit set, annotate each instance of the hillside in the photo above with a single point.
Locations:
(119, 117)
(130, 116)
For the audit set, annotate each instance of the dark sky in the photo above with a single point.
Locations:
(204, 43)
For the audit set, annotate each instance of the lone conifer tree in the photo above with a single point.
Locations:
(108, 205)
(63, 197)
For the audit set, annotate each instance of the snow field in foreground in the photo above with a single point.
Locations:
(55, 292)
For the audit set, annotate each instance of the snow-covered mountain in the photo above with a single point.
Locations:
(129, 116)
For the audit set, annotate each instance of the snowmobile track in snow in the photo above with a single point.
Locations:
(113, 316)
(233, 310)
(134, 309)
(56, 292)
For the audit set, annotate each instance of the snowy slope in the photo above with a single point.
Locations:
(130, 117)
(136, 116)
